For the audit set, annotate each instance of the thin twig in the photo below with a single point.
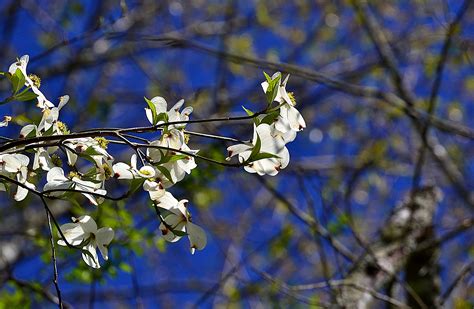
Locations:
(53, 254)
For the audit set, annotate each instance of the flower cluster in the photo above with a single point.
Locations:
(267, 153)
(80, 162)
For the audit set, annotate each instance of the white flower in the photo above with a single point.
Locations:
(17, 164)
(174, 114)
(84, 232)
(289, 118)
(51, 115)
(274, 145)
(21, 64)
(147, 172)
(171, 141)
(125, 171)
(80, 145)
(57, 181)
(177, 219)
(6, 120)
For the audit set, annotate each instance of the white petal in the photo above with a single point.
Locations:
(237, 149)
(122, 171)
(57, 186)
(167, 201)
(133, 161)
(88, 224)
(11, 163)
(56, 174)
(44, 160)
(26, 130)
(21, 193)
(63, 101)
(197, 236)
(149, 115)
(167, 234)
(73, 233)
(160, 104)
(147, 172)
(177, 106)
(71, 157)
(19, 65)
(91, 261)
(295, 119)
(103, 238)
(282, 124)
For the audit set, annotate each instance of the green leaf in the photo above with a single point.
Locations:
(177, 157)
(135, 184)
(267, 77)
(270, 118)
(153, 110)
(255, 150)
(272, 89)
(248, 111)
(26, 96)
(162, 117)
(262, 155)
(165, 172)
(171, 158)
(18, 80)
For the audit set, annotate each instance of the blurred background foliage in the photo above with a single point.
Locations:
(349, 169)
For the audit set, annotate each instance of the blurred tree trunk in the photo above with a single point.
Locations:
(408, 225)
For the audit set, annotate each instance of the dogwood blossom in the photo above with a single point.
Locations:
(83, 232)
(17, 164)
(269, 144)
(5, 121)
(147, 172)
(289, 118)
(173, 115)
(164, 150)
(57, 181)
(51, 116)
(177, 220)
(21, 65)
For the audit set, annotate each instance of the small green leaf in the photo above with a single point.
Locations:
(18, 81)
(165, 172)
(135, 184)
(177, 157)
(270, 118)
(153, 110)
(262, 155)
(26, 96)
(162, 117)
(255, 150)
(267, 77)
(272, 89)
(248, 111)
